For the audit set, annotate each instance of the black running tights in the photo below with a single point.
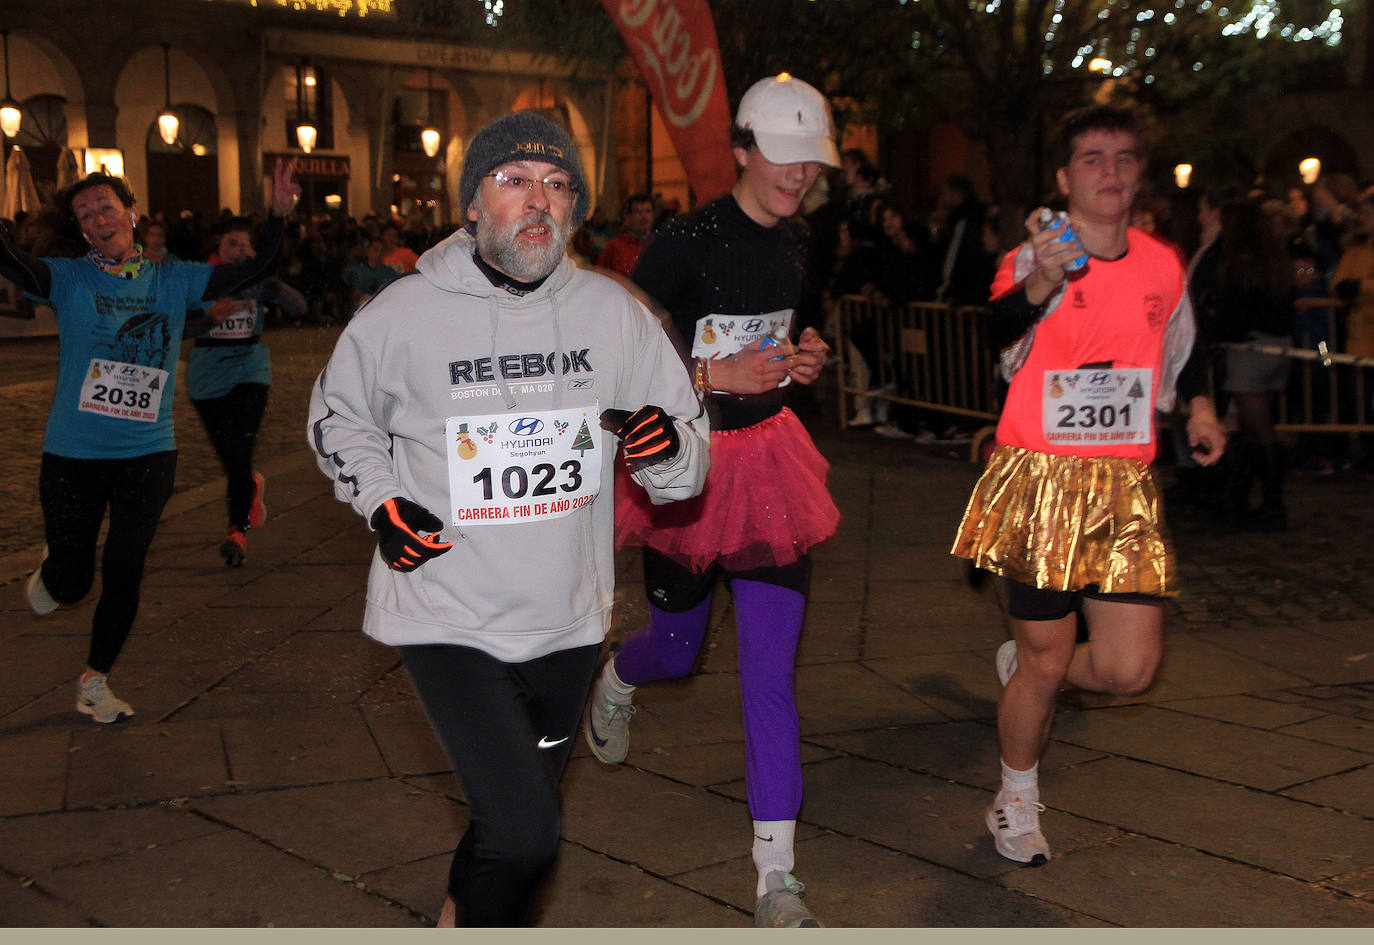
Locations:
(74, 494)
(232, 422)
(508, 729)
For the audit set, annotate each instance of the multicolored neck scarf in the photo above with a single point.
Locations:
(127, 268)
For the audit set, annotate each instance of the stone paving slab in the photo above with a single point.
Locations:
(1220, 750)
(138, 764)
(1253, 711)
(1297, 839)
(305, 748)
(1315, 657)
(347, 827)
(403, 736)
(1351, 791)
(33, 845)
(24, 905)
(1142, 883)
(1342, 730)
(960, 685)
(637, 817)
(219, 881)
(589, 890)
(34, 763)
(845, 696)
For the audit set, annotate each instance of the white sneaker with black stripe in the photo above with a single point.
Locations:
(1014, 823)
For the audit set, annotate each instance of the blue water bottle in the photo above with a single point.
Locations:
(1050, 220)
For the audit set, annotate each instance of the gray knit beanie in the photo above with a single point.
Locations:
(523, 136)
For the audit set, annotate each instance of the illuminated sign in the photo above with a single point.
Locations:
(313, 165)
(359, 8)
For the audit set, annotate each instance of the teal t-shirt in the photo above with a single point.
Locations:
(117, 361)
(239, 357)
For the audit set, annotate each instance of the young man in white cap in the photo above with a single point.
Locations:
(474, 387)
(729, 276)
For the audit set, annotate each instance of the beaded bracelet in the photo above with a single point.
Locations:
(703, 375)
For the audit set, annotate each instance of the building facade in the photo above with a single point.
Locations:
(240, 75)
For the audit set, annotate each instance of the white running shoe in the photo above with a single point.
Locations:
(1015, 827)
(781, 906)
(94, 698)
(40, 600)
(608, 725)
(1006, 661)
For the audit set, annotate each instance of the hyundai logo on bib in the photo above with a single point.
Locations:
(753, 325)
(525, 426)
(1100, 378)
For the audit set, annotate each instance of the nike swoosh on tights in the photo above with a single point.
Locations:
(767, 839)
(545, 743)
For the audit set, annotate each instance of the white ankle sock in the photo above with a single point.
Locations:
(1023, 784)
(773, 848)
(620, 691)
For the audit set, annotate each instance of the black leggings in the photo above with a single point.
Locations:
(232, 422)
(508, 729)
(74, 494)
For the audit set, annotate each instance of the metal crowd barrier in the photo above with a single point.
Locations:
(1328, 392)
(927, 355)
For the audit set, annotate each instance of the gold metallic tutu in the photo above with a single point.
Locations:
(1065, 522)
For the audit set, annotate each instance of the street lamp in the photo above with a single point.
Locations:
(306, 133)
(10, 114)
(429, 137)
(1183, 173)
(167, 123)
(1310, 169)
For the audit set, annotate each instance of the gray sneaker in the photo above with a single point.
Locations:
(94, 698)
(781, 907)
(608, 725)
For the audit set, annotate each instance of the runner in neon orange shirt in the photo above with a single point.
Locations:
(1067, 511)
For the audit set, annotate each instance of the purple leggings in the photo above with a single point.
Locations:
(768, 621)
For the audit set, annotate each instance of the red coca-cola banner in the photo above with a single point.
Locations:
(674, 45)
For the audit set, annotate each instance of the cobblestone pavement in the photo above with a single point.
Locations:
(280, 772)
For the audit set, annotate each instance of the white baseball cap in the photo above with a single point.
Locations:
(790, 120)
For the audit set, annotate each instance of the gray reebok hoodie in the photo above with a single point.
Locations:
(443, 344)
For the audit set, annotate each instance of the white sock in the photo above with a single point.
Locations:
(773, 848)
(1022, 784)
(619, 691)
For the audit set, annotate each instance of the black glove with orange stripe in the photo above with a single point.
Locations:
(408, 534)
(647, 436)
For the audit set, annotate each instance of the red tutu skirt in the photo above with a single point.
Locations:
(765, 503)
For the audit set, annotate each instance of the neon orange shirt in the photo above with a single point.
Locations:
(1114, 313)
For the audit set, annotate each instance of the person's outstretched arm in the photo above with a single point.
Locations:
(24, 269)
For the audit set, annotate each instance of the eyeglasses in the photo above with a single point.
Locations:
(1304, 270)
(555, 188)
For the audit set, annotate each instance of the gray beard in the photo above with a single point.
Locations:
(522, 263)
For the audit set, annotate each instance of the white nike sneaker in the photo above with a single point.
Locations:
(608, 725)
